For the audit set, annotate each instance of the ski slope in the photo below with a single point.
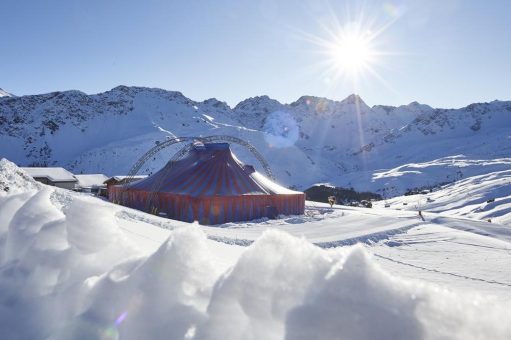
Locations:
(483, 197)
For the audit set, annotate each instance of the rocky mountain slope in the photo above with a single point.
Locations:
(312, 140)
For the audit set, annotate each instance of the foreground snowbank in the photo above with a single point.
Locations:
(71, 273)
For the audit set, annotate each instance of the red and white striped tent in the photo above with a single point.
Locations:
(211, 186)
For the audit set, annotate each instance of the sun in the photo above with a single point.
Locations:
(350, 49)
(351, 53)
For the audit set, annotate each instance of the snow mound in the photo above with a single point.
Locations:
(284, 287)
(90, 226)
(14, 179)
(358, 300)
(160, 297)
(270, 278)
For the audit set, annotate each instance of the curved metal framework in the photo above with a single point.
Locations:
(191, 140)
(153, 151)
(218, 138)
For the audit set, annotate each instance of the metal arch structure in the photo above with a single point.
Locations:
(153, 151)
(169, 142)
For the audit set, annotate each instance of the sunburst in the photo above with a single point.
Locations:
(351, 48)
(351, 52)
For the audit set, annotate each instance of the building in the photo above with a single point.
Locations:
(211, 186)
(91, 182)
(58, 177)
(121, 180)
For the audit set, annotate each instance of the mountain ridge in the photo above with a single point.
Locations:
(4, 93)
(108, 131)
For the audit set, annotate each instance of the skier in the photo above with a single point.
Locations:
(420, 215)
(331, 200)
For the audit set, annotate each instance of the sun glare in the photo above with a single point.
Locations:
(350, 48)
(351, 53)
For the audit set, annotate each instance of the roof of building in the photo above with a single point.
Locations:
(52, 174)
(91, 180)
(120, 178)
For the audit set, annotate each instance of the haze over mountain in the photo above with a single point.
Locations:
(312, 140)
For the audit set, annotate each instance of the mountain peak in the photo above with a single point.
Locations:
(4, 93)
(256, 102)
(216, 103)
(353, 99)
(416, 106)
(309, 100)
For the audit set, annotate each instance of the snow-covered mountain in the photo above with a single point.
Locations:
(4, 93)
(311, 140)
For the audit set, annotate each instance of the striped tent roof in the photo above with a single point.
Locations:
(210, 170)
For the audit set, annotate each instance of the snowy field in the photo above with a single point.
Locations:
(76, 267)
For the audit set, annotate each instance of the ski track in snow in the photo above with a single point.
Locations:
(386, 236)
(443, 272)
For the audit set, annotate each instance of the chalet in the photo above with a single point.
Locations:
(91, 182)
(58, 177)
(119, 180)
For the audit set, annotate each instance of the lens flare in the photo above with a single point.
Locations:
(121, 318)
(110, 333)
(281, 130)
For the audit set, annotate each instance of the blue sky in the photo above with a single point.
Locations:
(446, 53)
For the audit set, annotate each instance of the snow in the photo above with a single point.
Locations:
(467, 197)
(4, 93)
(53, 174)
(120, 178)
(448, 257)
(312, 140)
(90, 180)
(10, 173)
(281, 130)
(73, 266)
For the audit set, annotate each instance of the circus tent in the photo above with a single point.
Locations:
(211, 186)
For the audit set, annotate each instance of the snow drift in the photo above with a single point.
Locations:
(68, 271)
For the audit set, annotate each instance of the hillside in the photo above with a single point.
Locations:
(312, 140)
(483, 197)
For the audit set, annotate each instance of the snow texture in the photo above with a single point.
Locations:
(90, 180)
(70, 270)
